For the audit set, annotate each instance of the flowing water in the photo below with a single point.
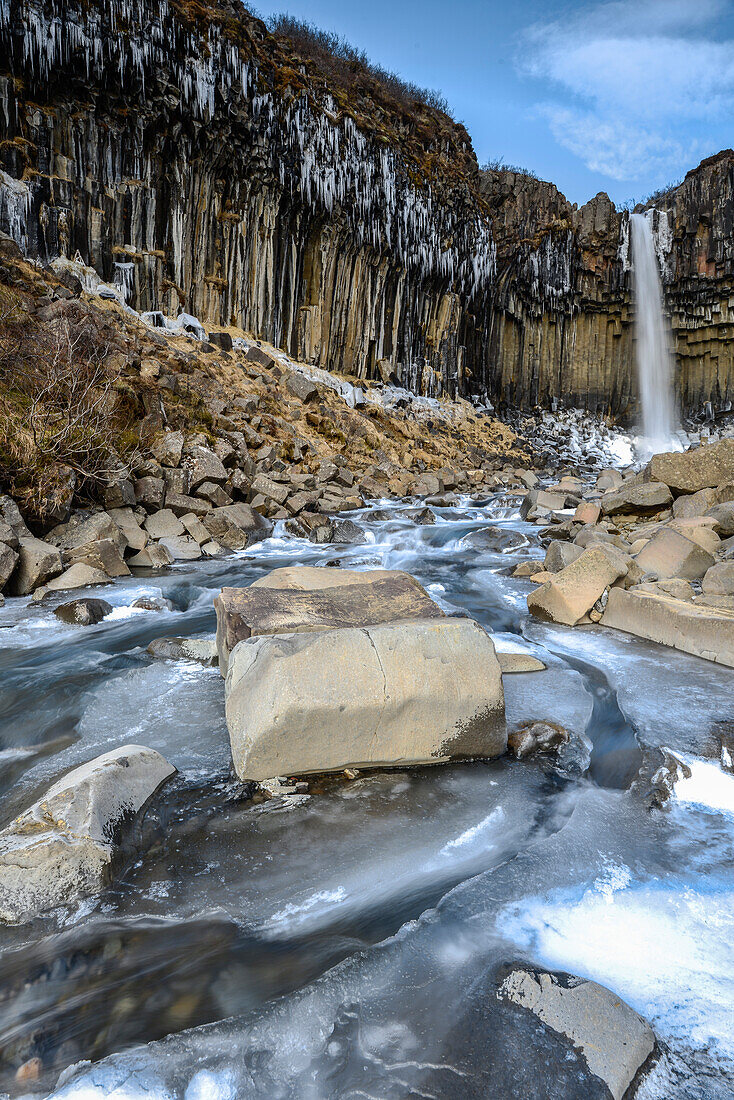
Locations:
(654, 357)
(345, 943)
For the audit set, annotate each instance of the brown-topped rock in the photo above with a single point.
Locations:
(246, 612)
(719, 580)
(204, 465)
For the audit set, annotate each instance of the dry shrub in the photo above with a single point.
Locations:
(59, 411)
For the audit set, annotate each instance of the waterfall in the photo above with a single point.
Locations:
(654, 358)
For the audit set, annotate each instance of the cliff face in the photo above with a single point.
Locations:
(562, 323)
(198, 162)
(186, 156)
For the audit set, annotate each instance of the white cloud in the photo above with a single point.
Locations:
(638, 77)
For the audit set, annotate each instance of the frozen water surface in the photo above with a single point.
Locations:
(347, 943)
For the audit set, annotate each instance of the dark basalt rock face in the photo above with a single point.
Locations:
(190, 160)
(200, 164)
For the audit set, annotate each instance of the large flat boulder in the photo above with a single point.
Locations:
(573, 591)
(703, 468)
(706, 632)
(414, 692)
(612, 1039)
(310, 577)
(670, 553)
(647, 497)
(62, 848)
(247, 612)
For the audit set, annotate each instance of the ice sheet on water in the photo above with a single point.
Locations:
(708, 787)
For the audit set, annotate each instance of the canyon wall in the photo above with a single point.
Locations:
(202, 164)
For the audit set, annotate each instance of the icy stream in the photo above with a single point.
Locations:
(344, 943)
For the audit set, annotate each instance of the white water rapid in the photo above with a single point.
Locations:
(654, 358)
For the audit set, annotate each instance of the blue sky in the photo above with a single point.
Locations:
(622, 96)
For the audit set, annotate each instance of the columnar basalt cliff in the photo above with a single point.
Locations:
(188, 157)
(201, 164)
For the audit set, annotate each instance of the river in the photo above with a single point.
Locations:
(343, 943)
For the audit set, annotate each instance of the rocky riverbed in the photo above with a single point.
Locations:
(381, 932)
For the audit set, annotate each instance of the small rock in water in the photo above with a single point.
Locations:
(154, 603)
(347, 532)
(422, 516)
(29, 1071)
(494, 538)
(203, 650)
(83, 612)
(534, 737)
(519, 662)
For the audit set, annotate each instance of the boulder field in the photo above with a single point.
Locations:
(651, 553)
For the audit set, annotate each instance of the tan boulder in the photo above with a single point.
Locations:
(699, 529)
(719, 579)
(79, 575)
(163, 524)
(391, 694)
(703, 468)
(133, 534)
(37, 563)
(154, 556)
(307, 578)
(588, 511)
(104, 555)
(671, 554)
(560, 554)
(695, 504)
(723, 517)
(62, 847)
(236, 526)
(645, 497)
(706, 632)
(246, 612)
(570, 594)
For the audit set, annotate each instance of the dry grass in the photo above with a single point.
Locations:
(60, 415)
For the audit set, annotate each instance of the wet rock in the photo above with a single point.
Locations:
(154, 603)
(349, 533)
(38, 562)
(85, 612)
(202, 650)
(572, 592)
(324, 701)
(536, 737)
(614, 1041)
(671, 554)
(276, 609)
(663, 782)
(527, 568)
(422, 516)
(499, 539)
(63, 847)
(706, 632)
(703, 468)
